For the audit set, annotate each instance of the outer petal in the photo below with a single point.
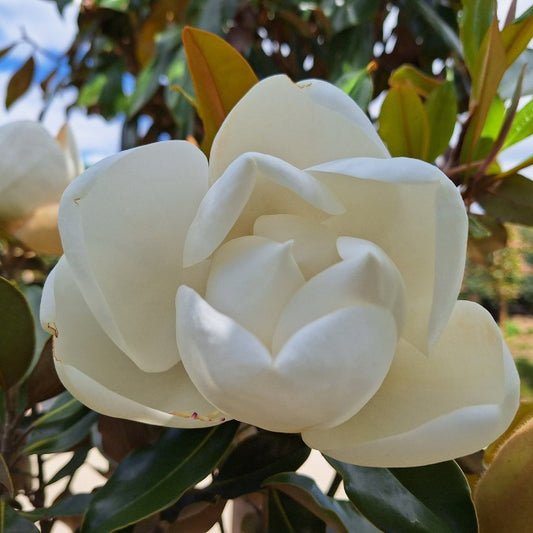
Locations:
(33, 169)
(327, 370)
(96, 372)
(366, 277)
(123, 223)
(304, 124)
(415, 214)
(314, 247)
(250, 280)
(253, 185)
(433, 409)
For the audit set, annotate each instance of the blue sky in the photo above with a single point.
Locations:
(41, 21)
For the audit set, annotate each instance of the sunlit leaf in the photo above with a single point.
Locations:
(20, 82)
(340, 517)
(441, 108)
(476, 18)
(494, 120)
(411, 500)
(117, 5)
(487, 74)
(504, 494)
(409, 76)
(522, 126)
(358, 85)
(17, 335)
(404, 123)
(220, 75)
(516, 37)
(155, 477)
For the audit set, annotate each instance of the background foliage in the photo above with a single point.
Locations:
(464, 82)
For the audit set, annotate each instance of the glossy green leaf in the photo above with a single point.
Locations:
(220, 75)
(427, 499)
(508, 83)
(255, 459)
(476, 18)
(288, 516)
(155, 477)
(522, 126)
(441, 108)
(13, 522)
(409, 76)
(404, 123)
(358, 85)
(17, 334)
(516, 37)
(117, 5)
(494, 120)
(511, 200)
(74, 505)
(20, 82)
(342, 518)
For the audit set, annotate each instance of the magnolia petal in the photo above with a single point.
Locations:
(327, 370)
(366, 276)
(327, 95)
(254, 184)
(299, 123)
(102, 377)
(68, 144)
(416, 215)
(114, 219)
(39, 232)
(433, 409)
(251, 279)
(314, 247)
(33, 169)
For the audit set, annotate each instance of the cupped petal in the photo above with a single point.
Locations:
(67, 143)
(102, 377)
(304, 124)
(327, 370)
(33, 169)
(254, 185)
(416, 215)
(431, 409)
(365, 277)
(314, 247)
(123, 224)
(250, 280)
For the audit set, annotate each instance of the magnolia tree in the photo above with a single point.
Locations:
(286, 279)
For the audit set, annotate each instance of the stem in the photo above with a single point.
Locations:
(334, 485)
(221, 525)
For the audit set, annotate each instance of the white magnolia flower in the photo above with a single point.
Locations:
(35, 168)
(309, 280)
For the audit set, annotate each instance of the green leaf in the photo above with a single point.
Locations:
(220, 75)
(74, 505)
(33, 293)
(427, 499)
(66, 424)
(516, 37)
(522, 126)
(508, 83)
(404, 123)
(148, 80)
(17, 334)
(117, 5)
(476, 18)
(358, 85)
(494, 120)
(342, 518)
(288, 516)
(438, 25)
(255, 459)
(510, 201)
(441, 108)
(155, 477)
(13, 522)
(20, 82)
(409, 76)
